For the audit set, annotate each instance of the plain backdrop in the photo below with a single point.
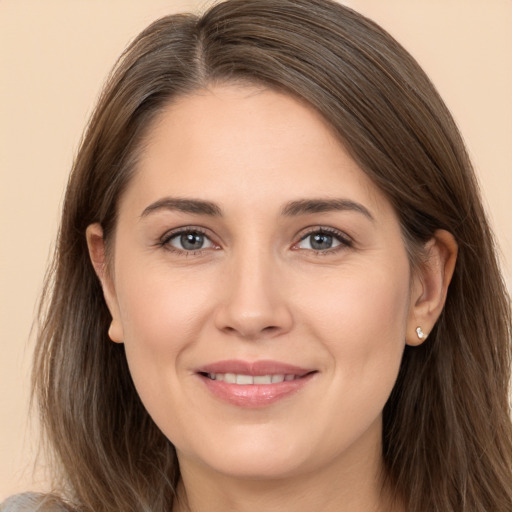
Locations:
(54, 57)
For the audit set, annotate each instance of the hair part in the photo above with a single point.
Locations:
(447, 440)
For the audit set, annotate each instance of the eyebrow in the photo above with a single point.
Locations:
(291, 209)
(308, 206)
(195, 206)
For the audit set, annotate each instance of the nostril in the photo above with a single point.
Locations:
(252, 321)
(252, 332)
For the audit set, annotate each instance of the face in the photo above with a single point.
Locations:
(260, 285)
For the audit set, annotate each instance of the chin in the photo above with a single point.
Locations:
(259, 467)
(254, 457)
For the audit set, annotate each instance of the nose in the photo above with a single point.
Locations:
(254, 303)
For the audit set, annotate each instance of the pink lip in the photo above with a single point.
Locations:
(254, 395)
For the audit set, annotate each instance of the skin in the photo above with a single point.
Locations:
(258, 290)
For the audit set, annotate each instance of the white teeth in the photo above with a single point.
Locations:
(243, 380)
(228, 377)
(263, 379)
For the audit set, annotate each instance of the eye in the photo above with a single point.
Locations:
(323, 240)
(188, 241)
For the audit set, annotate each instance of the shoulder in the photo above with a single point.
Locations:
(34, 502)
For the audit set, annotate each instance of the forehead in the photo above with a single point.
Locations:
(241, 143)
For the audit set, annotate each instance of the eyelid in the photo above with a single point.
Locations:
(172, 233)
(178, 231)
(344, 239)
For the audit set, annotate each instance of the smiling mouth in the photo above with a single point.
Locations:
(254, 384)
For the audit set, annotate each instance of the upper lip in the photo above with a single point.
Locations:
(254, 368)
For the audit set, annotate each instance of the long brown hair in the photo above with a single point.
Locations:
(447, 435)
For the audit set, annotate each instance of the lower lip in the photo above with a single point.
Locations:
(255, 395)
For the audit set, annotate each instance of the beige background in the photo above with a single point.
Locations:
(55, 54)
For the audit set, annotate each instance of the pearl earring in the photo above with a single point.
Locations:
(420, 333)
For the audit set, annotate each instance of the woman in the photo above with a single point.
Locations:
(275, 286)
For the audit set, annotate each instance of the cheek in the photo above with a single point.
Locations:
(161, 315)
(361, 318)
(366, 303)
(157, 304)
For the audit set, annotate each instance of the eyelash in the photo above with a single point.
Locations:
(339, 236)
(170, 235)
(344, 240)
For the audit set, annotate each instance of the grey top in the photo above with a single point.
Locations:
(33, 502)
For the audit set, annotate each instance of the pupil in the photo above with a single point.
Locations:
(192, 241)
(321, 241)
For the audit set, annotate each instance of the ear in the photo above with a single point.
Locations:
(97, 253)
(430, 286)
